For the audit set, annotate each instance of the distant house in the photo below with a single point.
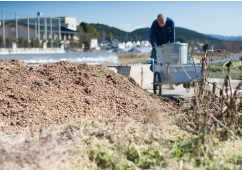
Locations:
(195, 46)
(104, 43)
(117, 44)
(128, 44)
(138, 43)
(94, 44)
(145, 44)
(134, 44)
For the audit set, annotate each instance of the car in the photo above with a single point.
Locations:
(119, 51)
(134, 50)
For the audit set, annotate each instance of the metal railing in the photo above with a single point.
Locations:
(28, 31)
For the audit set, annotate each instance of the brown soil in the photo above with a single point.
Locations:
(59, 92)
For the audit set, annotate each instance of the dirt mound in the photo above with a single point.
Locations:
(58, 92)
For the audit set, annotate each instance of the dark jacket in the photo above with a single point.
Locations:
(162, 35)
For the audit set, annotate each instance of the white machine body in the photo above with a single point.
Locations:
(172, 64)
(172, 53)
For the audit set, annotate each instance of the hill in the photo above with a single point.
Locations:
(113, 32)
(182, 34)
(227, 38)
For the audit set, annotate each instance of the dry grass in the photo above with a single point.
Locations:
(70, 146)
(133, 58)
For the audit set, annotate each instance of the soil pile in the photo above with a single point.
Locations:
(58, 92)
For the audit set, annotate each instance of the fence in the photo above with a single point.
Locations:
(29, 31)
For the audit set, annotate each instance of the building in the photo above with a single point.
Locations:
(145, 44)
(68, 22)
(94, 44)
(41, 28)
(129, 44)
(104, 43)
(117, 44)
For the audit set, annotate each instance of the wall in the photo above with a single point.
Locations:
(31, 50)
(140, 73)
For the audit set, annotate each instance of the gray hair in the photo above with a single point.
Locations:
(161, 16)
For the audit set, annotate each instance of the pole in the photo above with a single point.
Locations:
(3, 31)
(28, 28)
(59, 30)
(38, 29)
(35, 29)
(51, 32)
(16, 28)
(45, 30)
(59, 34)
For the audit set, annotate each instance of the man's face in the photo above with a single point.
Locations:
(161, 22)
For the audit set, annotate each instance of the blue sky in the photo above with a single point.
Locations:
(207, 17)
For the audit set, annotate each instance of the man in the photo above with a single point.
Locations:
(162, 32)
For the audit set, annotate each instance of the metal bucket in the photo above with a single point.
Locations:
(172, 53)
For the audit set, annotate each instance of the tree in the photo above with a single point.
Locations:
(109, 36)
(1, 41)
(206, 47)
(182, 39)
(231, 46)
(85, 39)
(91, 30)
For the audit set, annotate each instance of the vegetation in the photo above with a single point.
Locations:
(206, 47)
(233, 46)
(107, 31)
(8, 42)
(182, 35)
(1, 41)
(222, 75)
(88, 32)
(22, 43)
(85, 39)
(35, 43)
(181, 39)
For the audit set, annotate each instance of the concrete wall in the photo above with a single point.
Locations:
(30, 50)
(140, 73)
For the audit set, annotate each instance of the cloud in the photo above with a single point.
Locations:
(129, 27)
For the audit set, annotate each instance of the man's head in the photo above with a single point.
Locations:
(161, 19)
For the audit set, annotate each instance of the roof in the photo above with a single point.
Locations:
(55, 30)
(104, 42)
(66, 30)
(117, 41)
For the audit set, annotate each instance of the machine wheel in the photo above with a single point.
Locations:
(157, 79)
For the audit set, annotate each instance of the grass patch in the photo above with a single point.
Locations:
(137, 60)
(219, 66)
(221, 75)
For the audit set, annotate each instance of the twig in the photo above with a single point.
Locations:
(223, 126)
(137, 150)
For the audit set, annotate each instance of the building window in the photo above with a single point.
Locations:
(41, 36)
(66, 36)
(12, 33)
(56, 37)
